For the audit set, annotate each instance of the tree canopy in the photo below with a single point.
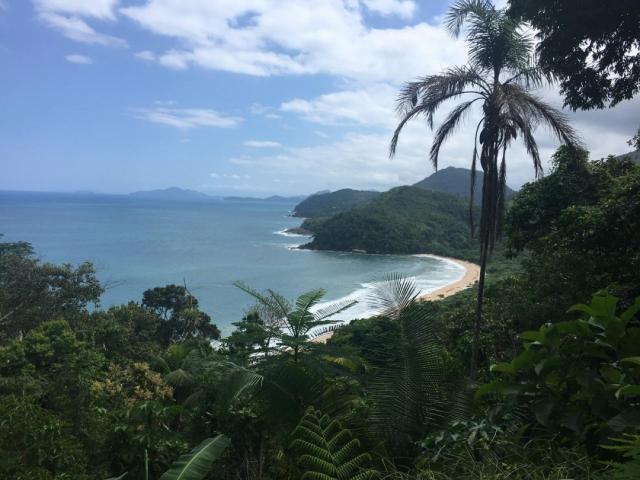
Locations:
(593, 46)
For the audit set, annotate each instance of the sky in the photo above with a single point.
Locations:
(253, 97)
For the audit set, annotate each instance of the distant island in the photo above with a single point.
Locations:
(185, 195)
(272, 198)
(173, 194)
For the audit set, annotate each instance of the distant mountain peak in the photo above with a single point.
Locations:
(456, 180)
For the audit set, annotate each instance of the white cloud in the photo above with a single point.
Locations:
(186, 118)
(147, 55)
(77, 29)
(261, 144)
(228, 176)
(402, 8)
(360, 159)
(102, 9)
(69, 18)
(296, 37)
(80, 59)
(371, 106)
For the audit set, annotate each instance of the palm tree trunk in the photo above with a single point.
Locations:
(487, 230)
(484, 255)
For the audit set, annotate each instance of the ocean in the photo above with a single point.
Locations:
(138, 244)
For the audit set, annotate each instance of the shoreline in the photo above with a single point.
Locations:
(468, 279)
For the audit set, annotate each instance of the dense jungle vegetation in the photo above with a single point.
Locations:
(92, 393)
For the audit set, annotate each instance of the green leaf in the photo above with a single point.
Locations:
(610, 374)
(625, 420)
(500, 387)
(633, 360)
(533, 336)
(196, 464)
(628, 391)
(503, 367)
(551, 362)
(604, 305)
(631, 312)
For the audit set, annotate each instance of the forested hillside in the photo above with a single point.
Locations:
(328, 204)
(402, 220)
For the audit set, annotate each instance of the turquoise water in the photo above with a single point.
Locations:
(138, 244)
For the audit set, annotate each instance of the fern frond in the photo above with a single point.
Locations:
(332, 454)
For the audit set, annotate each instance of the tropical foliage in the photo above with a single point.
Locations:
(591, 45)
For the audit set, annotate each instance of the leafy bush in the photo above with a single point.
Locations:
(579, 378)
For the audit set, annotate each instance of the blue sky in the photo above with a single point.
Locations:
(230, 96)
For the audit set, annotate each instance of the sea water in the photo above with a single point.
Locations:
(139, 244)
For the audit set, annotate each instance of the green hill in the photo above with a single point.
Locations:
(402, 220)
(328, 204)
(633, 156)
(457, 181)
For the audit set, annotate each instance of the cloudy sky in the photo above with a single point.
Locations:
(232, 96)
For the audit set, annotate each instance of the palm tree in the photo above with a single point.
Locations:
(499, 76)
(302, 320)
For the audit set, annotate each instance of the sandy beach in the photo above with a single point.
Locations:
(471, 275)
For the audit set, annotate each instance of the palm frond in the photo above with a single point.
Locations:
(160, 364)
(393, 295)
(179, 378)
(408, 388)
(424, 96)
(306, 301)
(472, 182)
(272, 301)
(321, 331)
(461, 10)
(538, 110)
(236, 382)
(196, 464)
(333, 309)
(447, 128)
(430, 91)
(531, 77)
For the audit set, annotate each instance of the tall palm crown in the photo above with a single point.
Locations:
(500, 73)
(499, 76)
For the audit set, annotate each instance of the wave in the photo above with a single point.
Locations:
(425, 284)
(284, 233)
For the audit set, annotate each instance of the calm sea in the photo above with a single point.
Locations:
(138, 244)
